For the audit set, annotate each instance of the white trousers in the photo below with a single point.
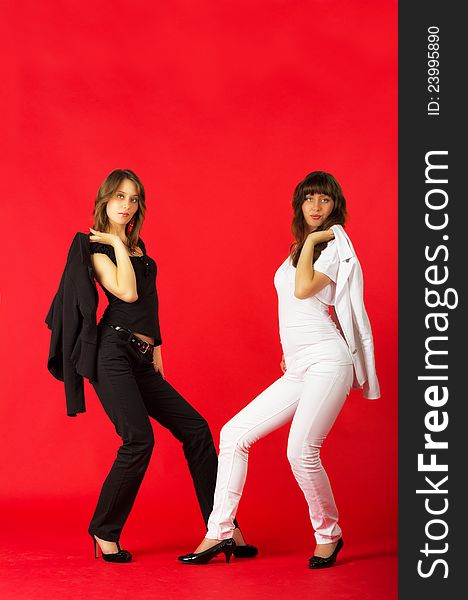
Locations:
(312, 400)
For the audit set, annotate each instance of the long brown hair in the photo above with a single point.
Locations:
(317, 182)
(108, 188)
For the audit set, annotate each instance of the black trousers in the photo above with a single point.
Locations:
(131, 391)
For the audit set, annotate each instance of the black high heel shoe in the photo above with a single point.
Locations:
(319, 562)
(122, 556)
(201, 558)
(247, 551)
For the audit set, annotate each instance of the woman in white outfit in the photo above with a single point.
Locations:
(318, 375)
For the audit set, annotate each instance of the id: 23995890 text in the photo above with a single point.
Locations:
(433, 81)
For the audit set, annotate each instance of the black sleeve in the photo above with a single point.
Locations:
(98, 248)
(72, 326)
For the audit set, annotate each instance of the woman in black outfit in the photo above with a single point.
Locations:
(130, 380)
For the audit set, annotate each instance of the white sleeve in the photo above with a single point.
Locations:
(328, 261)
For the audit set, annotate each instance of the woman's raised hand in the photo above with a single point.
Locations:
(104, 238)
(322, 236)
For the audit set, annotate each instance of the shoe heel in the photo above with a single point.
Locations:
(228, 554)
(96, 551)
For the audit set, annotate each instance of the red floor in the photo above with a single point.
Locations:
(50, 573)
(38, 563)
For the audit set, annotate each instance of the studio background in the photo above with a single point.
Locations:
(221, 108)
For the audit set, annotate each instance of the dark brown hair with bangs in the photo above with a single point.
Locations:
(317, 182)
(108, 188)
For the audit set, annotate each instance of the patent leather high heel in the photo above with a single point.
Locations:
(319, 562)
(247, 551)
(201, 558)
(122, 556)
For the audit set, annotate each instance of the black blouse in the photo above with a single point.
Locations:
(140, 316)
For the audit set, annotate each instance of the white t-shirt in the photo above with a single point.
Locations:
(328, 263)
(307, 331)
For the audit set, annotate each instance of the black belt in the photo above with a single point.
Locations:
(144, 347)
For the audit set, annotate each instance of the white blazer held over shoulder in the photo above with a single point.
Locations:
(351, 318)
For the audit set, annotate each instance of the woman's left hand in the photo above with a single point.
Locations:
(157, 361)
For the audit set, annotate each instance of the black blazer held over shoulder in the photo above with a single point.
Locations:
(72, 319)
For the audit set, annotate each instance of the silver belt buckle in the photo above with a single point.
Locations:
(146, 349)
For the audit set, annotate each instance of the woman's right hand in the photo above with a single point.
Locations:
(325, 235)
(104, 238)
(283, 364)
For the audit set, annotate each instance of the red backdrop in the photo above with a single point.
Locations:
(220, 108)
